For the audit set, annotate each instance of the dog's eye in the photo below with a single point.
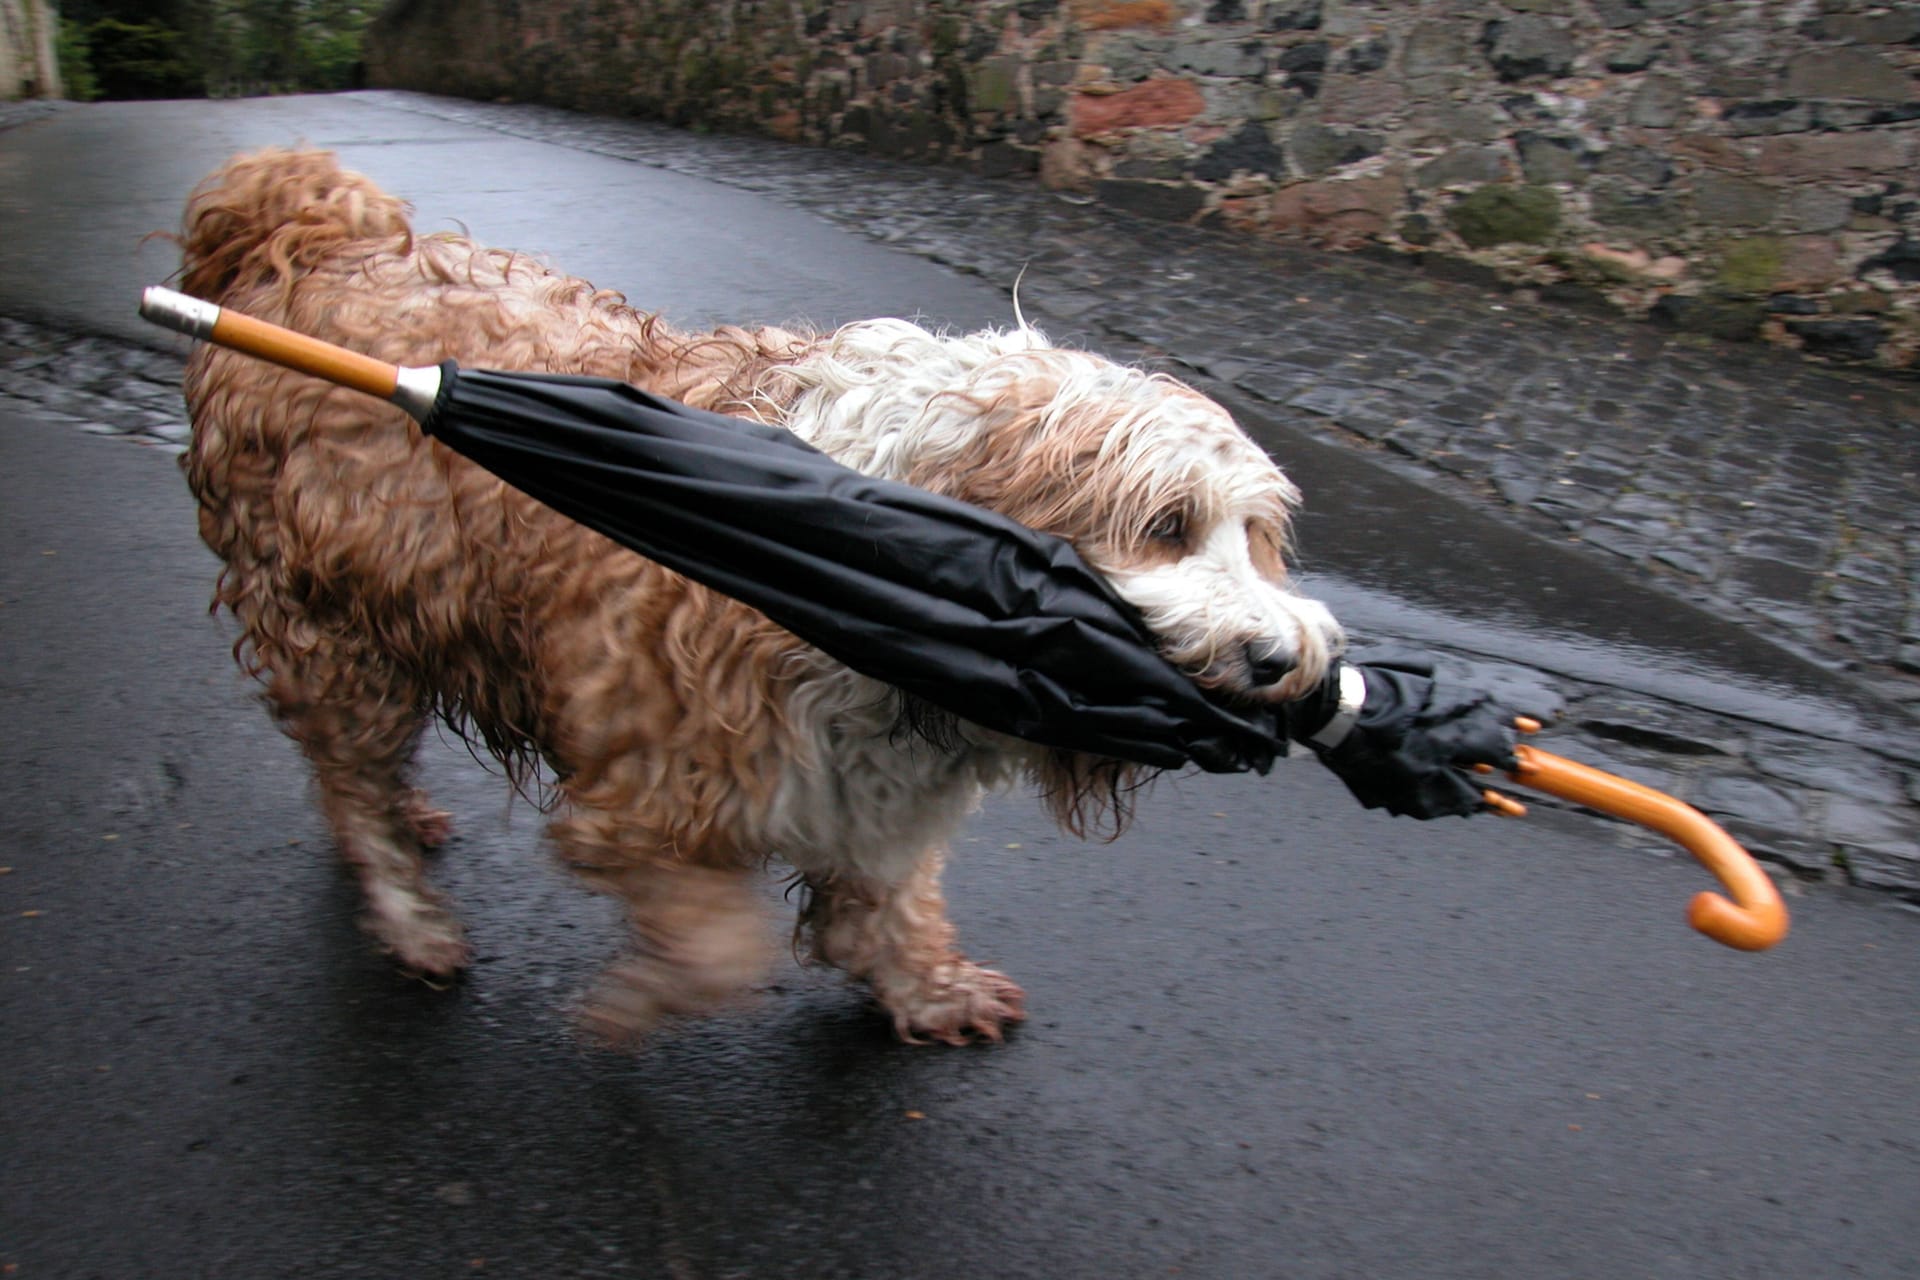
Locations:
(1169, 527)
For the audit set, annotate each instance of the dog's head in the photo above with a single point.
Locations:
(1151, 481)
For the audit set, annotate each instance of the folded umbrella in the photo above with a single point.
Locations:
(954, 604)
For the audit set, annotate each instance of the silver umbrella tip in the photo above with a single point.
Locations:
(173, 310)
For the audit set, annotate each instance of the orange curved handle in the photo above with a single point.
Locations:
(1756, 918)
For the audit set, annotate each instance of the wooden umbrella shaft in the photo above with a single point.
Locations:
(413, 389)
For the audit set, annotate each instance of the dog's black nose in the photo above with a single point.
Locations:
(1265, 667)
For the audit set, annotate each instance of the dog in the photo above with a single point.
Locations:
(680, 741)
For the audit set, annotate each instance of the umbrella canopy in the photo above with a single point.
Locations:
(952, 603)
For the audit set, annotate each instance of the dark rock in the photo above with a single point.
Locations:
(1368, 55)
(1165, 202)
(1840, 339)
(1316, 148)
(1249, 149)
(1775, 115)
(1902, 258)
(1227, 11)
(1715, 317)
(1549, 159)
(1528, 46)
(1004, 160)
(1792, 304)
(1418, 229)
(1571, 293)
(1294, 15)
(1634, 55)
(1311, 56)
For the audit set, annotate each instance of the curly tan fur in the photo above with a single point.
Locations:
(379, 581)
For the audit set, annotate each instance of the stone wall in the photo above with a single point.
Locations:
(1745, 168)
(28, 68)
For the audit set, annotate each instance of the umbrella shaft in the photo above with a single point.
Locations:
(412, 389)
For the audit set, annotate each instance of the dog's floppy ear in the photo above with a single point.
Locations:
(1091, 796)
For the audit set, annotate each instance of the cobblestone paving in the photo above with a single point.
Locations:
(1776, 492)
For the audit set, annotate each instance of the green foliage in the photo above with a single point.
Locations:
(76, 65)
(170, 48)
(140, 60)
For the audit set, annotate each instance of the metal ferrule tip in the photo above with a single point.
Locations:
(176, 311)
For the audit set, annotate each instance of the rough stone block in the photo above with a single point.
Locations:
(1658, 103)
(1360, 100)
(1220, 57)
(1249, 149)
(1547, 160)
(1434, 48)
(1835, 157)
(1463, 166)
(1847, 73)
(1729, 201)
(1157, 104)
(1713, 150)
(1495, 215)
(1112, 15)
(1317, 149)
(1528, 47)
(1340, 212)
(1768, 116)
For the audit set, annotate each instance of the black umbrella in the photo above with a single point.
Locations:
(954, 604)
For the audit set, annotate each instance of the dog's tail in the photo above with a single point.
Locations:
(265, 218)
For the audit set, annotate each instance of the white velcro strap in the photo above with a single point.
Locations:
(1353, 695)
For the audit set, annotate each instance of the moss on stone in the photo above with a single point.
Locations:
(1751, 266)
(1499, 214)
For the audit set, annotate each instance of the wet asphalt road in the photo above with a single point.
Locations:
(1273, 1035)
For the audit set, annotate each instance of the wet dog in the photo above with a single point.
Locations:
(682, 740)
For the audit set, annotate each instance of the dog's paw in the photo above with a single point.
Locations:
(422, 935)
(966, 1003)
(431, 827)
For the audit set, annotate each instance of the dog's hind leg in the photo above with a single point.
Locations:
(357, 718)
(898, 938)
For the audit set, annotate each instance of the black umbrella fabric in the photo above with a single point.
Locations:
(954, 604)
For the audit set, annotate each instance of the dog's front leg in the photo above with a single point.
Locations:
(898, 939)
(700, 934)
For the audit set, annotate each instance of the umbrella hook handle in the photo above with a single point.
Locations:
(1753, 920)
